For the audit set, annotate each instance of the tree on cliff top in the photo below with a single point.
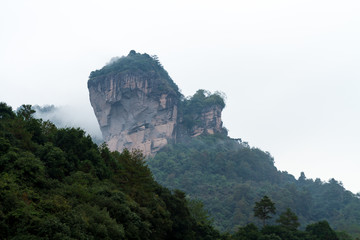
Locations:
(137, 63)
(196, 104)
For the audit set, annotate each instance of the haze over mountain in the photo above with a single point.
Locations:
(58, 184)
(138, 106)
(70, 116)
(289, 68)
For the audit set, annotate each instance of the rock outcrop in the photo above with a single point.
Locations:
(211, 121)
(138, 106)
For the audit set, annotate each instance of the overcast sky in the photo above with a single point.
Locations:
(290, 69)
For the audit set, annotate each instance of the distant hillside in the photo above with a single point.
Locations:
(58, 184)
(229, 176)
(138, 106)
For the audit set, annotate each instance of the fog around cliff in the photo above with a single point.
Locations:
(289, 68)
(70, 116)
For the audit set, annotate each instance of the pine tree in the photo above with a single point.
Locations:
(264, 208)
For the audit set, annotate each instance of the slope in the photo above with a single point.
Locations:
(229, 176)
(58, 184)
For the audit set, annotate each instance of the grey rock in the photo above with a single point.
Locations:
(136, 108)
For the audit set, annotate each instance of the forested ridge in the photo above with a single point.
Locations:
(58, 184)
(229, 176)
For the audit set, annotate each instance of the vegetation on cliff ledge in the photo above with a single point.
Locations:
(191, 108)
(139, 64)
(203, 99)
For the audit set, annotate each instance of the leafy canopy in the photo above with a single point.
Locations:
(289, 220)
(138, 64)
(58, 184)
(264, 208)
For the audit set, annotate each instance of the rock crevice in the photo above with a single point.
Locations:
(138, 106)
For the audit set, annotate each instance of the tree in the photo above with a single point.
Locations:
(249, 232)
(269, 237)
(264, 208)
(26, 112)
(198, 212)
(289, 220)
(6, 111)
(322, 231)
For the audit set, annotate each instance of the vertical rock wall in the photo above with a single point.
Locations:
(136, 104)
(209, 121)
(131, 115)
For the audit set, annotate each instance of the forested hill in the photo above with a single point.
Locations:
(229, 176)
(58, 184)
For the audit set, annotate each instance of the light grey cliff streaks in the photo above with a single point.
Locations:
(138, 106)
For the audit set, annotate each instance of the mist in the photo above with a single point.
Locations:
(76, 116)
(289, 68)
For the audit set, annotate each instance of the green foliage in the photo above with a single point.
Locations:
(137, 64)
(6, 111)
(343, 236)
(317, 231)
(228, 177)
(288, 219)
(203, 99)
(198, 213)
(264, 208)
(322, 231)
(192, 108)
(58, 184)
(248, 232)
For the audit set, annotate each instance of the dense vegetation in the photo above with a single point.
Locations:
(58, 184)
(229, 176)
(141, 65)
(287, 227)
(203, 99)
(192, 107)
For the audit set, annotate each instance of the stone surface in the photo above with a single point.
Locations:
(129, 116)
(210, 119)
(136, 111)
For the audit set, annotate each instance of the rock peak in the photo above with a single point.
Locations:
(138, 105)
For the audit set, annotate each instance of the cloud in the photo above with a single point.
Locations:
(71, 116)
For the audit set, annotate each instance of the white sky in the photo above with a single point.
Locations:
(290, 69)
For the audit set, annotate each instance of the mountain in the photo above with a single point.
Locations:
(58, 184)
(229, 176)
(138, 106)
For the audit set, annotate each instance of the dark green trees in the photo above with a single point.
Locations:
(287, 228)
(322, 231)
(58, 184)
(264, 209)
(229, 176)
(288, 219)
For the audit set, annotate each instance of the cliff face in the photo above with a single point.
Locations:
(136, 104)
(209, 121)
